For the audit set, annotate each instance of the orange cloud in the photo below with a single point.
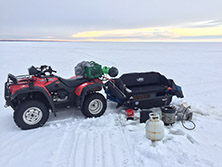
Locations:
(173, 33)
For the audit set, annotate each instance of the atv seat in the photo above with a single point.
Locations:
(73, 82)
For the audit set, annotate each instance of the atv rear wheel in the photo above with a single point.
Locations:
(31, 114)
(94, 105)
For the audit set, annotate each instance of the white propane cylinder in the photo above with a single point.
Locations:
(154, 127)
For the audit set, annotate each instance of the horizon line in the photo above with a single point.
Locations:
(105, 41)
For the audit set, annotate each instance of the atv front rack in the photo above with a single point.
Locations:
(16, 79)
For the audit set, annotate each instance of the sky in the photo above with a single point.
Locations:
(112, 20)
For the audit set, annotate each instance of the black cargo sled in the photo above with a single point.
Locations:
(142, 90)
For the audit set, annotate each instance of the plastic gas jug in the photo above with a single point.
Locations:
(154, 127)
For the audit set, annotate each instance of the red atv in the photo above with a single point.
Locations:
(33, 96)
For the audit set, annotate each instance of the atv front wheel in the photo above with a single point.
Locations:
(31, 114)
(94, 105)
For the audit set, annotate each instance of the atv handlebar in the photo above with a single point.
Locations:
(45, 69)
(39, 71)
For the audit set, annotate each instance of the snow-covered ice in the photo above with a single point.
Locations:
(110, 141)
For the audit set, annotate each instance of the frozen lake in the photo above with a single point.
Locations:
(70, 139)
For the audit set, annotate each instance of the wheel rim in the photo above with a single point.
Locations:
(95, 106)
(32, 115)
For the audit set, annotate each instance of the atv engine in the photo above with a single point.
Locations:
(60, 95)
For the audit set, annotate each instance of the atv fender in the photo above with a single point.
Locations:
(83, 90)
(35, 89)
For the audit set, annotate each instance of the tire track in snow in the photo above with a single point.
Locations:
(89, 151)
(109, 159)
(83, 146)
(74, 160)
(98, 149)
(103, 154)
(62, 157)
(85, 160)
(111, 152)
(128, 152)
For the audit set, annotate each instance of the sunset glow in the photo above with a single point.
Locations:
(154, 34)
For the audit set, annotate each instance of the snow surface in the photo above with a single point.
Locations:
(110, 141)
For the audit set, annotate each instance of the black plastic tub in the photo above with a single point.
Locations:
(168, 115)
(144, 115)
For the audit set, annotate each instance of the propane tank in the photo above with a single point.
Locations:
(154, 127)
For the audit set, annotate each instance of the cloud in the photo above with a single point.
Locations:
(142, 33)
(200, 37)
(61, 19)
(128, 20)
(153, 34)
(204, 24)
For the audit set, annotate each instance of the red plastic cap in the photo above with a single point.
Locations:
(130, 112)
